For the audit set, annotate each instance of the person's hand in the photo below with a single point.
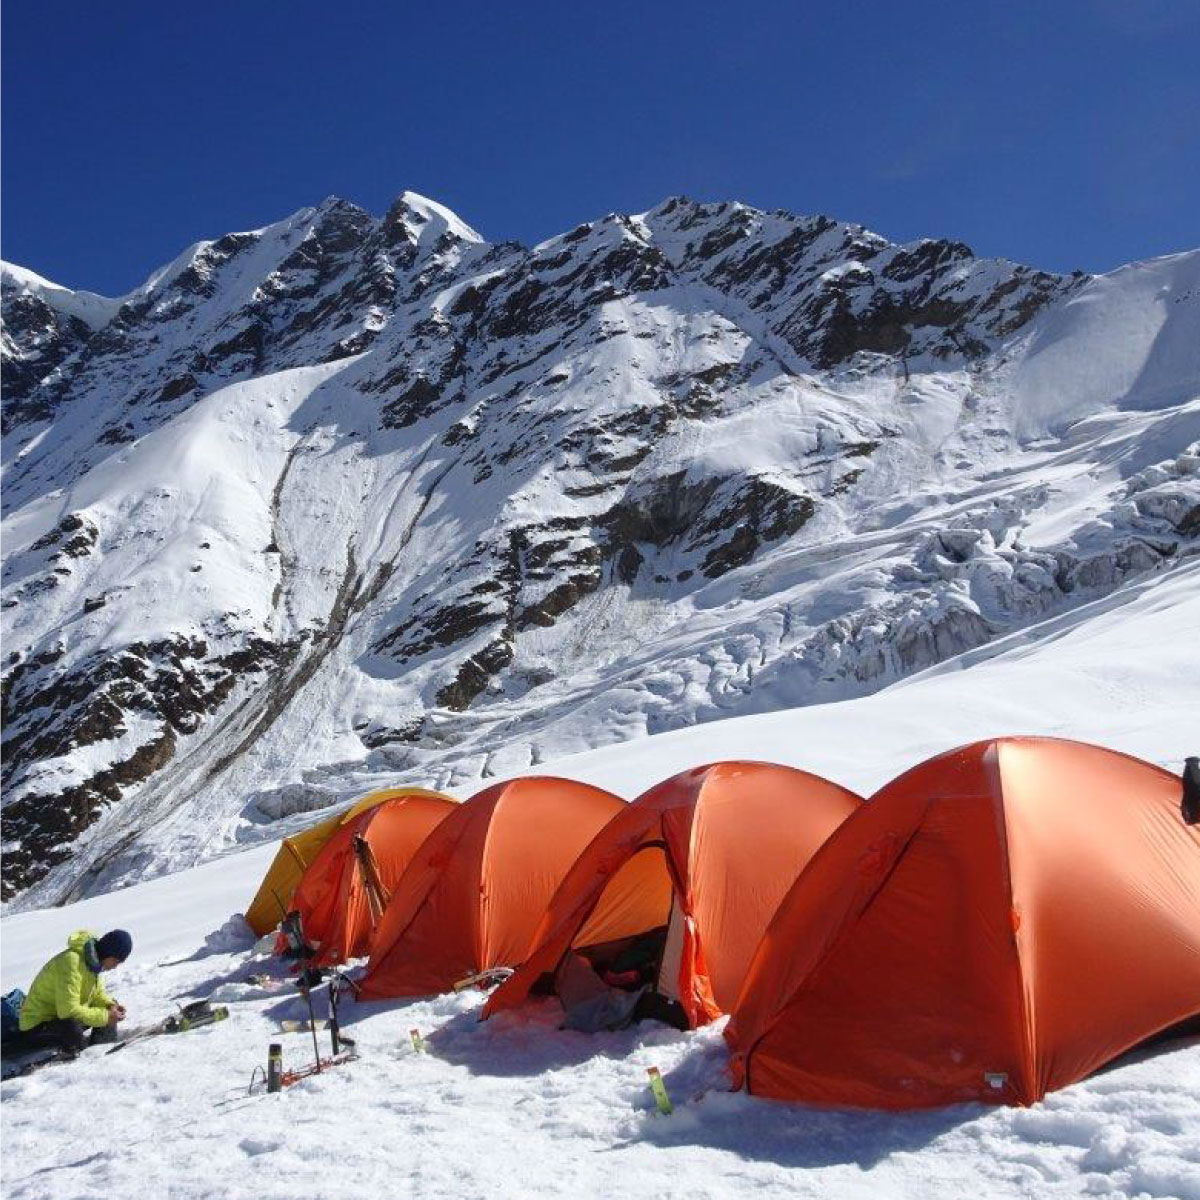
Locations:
(114, 1015)
(120, 1011)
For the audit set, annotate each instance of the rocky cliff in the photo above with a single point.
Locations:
(350, 498)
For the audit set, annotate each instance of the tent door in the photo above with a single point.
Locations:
(672, 956)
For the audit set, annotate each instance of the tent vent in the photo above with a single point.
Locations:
(995, 1079)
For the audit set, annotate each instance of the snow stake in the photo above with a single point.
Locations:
(418, 1041)
(660, 1091)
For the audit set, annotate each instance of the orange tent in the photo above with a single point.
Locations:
(996, 923)
(273, 900)
(707, 856)
(343, 893)
(473, 894)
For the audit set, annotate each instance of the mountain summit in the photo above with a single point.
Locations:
(352, 497)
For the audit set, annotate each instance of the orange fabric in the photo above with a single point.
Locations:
(637, 897)
(473, 895)
(729, 839)
(333, 899)
(998, 922)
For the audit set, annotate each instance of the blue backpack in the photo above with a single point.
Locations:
(10, 1013)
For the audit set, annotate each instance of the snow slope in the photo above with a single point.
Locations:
(515, 1107)
(348, 499)
(93, 310)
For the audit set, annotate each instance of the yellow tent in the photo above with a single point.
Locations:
(270, 903)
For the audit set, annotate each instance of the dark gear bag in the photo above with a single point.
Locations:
(10, 1014)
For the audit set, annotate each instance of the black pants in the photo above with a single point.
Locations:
(64, 1034)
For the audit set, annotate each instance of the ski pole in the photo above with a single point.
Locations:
(312, 1021)
(335, 1030)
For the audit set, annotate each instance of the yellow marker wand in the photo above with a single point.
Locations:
(660, 1091)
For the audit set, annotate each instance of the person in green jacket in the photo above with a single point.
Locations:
(67, 999)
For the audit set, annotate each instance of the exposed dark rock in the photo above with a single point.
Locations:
(39, 829)
(247, 343)
(178, 387)
(73, 537)
(558, 601)
(758, 512)
(926, 257)
(418, 400)
(474, 674)
(116, 435)
(660, 513)
(46, 716)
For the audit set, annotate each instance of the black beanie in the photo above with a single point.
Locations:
(116, 943)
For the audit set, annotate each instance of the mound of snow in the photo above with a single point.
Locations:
(1127, 339)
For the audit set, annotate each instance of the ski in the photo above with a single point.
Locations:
(194, 1016)
(15, 1066)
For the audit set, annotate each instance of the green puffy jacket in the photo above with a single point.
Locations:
(66, 988)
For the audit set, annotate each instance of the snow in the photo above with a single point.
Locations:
(93, 310)
(516, 1107)
(438, 219)
(1123, 339)
(937, 525)
(204, 487)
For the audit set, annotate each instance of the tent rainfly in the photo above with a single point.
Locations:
(473, 894)
(343, 893)
(669, 901)
(998, 922)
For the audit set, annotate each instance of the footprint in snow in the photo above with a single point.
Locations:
(252, 1147)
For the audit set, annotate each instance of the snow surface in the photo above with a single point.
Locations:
(1113, 340)
(515, 1107)
(93, 310)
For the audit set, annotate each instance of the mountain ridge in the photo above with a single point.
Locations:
(350, 497)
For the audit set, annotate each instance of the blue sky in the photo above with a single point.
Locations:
(1063, 133)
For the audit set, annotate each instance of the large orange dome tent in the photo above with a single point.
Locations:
(703, 857)
(342, 895)
(475, 891)
(996, 923)
(273, 899)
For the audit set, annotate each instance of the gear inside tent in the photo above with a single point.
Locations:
(474, 893)
(660, 915)
(273, 900)
(996, 923)
(342, 895)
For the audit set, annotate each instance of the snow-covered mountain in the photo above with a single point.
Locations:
(349, 498)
